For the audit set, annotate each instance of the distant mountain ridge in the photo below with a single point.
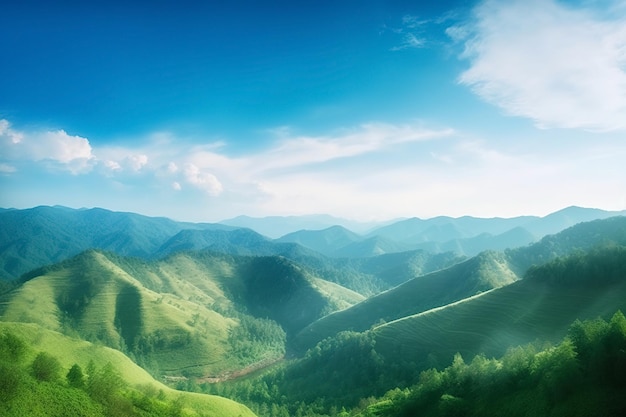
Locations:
(464, 235)
(277, 226)
(43, 235)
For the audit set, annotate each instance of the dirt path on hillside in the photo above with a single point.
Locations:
(229, 376)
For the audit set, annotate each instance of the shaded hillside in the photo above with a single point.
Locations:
(44, 235)
(484, 272)
(282, 291)
(395, 268)
(236, 242)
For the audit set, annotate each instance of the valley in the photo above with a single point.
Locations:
(313, 322)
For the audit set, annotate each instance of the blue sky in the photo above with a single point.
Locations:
(360, 109)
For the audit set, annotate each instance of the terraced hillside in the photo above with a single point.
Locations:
(539, 307)
(482, 273)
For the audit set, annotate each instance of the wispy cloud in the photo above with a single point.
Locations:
(303, 150)
(558, 65)
(412, 33)
(375, 170)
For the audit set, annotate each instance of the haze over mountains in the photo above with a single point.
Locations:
(206, 303)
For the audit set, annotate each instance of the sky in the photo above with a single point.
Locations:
(366, 110)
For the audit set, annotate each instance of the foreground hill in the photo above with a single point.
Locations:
(113, 385)
(197, 313)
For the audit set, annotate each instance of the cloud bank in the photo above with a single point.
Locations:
(562, 67)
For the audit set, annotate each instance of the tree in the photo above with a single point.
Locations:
(105, 384)
(46, 367)
(75, 376)
(12, 348)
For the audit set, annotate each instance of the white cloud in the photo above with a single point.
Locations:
(59, 146)
(203, 180)
(557, 65)
(68, 152)
(137, 162)
(8, 134)
(112, 165)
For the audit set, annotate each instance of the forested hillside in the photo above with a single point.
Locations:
(347, 370)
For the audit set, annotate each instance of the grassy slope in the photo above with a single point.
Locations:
(491, 322)
(71, 351)
(105, 314)
(176, 314)
(487, 271)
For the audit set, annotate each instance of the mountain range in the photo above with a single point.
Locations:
(43, 235)
(320, 311)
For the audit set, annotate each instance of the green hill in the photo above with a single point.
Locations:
(196, 313)
(484, 272)
(541, 306)
(137, 392)
(97, 299)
